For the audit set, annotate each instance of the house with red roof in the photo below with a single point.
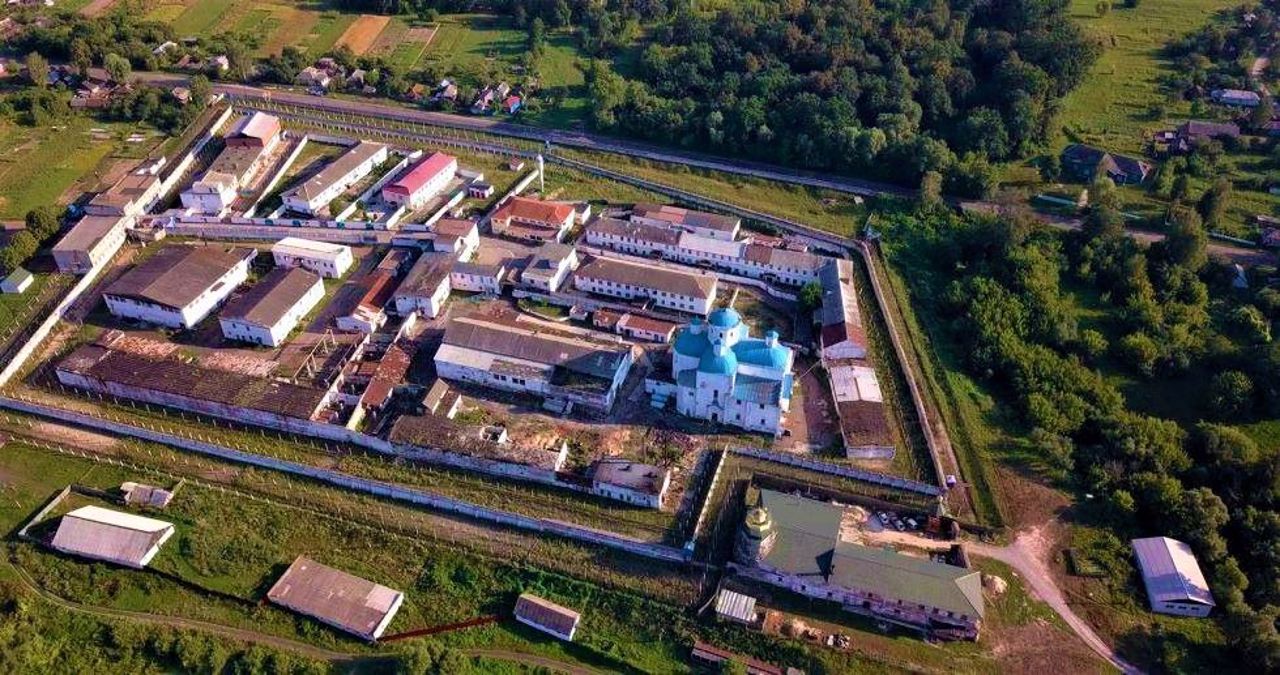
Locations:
(533, 219)
(422, 182)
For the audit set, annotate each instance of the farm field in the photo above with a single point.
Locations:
(268, 26)
(53, 165)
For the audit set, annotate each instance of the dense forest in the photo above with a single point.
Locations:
(892, 90)
(1008, 289)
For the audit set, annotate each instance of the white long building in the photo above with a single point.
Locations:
(91, 241)
(179, 286)
(502, 354)
(691, 292)
(1175, 584)
(328, 260)
(114, 536)
(755, 261)
(267, 313)
(314, 195)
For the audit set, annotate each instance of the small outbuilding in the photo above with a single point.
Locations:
(17, 282)
(116, 537)
(344, 601)
(547, 616)
(1175, 584)
(736, 607)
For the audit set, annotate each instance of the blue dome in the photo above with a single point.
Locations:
(716, 364)
(725, 317)
(757, 353)
(690, 343)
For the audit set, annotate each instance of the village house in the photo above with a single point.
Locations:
(422, 182)
(178, 286)
(272, 308)
(796, 543)
(1191, 133)
(328, 260)
(533, 219)
(550, 265)
(503, 354)
(1083, 162)
(692, 292)
(315, 194)
(478, 278)
(91, 241)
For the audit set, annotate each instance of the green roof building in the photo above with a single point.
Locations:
(804, 553)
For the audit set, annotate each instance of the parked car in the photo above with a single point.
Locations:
(912, 524)
(897, 525)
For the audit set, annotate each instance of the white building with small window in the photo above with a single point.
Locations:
(692, 292)
(179, 286)
(328, 260)
(269, 311)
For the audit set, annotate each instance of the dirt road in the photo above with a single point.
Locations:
(1026, 555)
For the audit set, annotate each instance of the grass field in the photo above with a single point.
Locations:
(40, 166)
(474, 43)
(200, 17)
(823, 209)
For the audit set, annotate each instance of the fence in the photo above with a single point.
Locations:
(357, 484)
(706, 503)
(842, 471)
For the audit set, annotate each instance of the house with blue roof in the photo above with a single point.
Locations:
(722, 374)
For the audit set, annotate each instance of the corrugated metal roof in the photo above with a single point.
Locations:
(688, 284)
(177, 275)
(272, 297)
(736, 606)
(123, 538)
(546, 613)
(1170, 571)
(343, 600)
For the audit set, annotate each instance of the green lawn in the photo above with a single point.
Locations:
(473, 44)
(1111, 108)
(328, 27)
(39, 165)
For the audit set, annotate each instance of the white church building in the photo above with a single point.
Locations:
(722, 374)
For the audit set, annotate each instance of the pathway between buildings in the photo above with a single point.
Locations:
(1024, 556)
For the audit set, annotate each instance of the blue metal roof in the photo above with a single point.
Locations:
(717, 364)
(725, 317)
(759, 353)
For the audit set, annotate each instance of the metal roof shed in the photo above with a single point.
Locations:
(113, 536)
(1175, 584)
(735, 606)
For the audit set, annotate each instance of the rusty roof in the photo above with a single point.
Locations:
(536, 210)
(340, 599)
(177, 275)
(543, 612)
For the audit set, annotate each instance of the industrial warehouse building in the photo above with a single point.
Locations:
(90, 242)
(266, 313)
(1175, 584)
(328, 260)
(690, 292)
(180, 285)
(116, 537)
(500, 353)
(315, 194)
(344, 601)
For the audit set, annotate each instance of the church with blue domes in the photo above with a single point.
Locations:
(723, 374)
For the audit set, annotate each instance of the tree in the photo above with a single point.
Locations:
(1139, 351)
(21, 247)
(1262, 113)
(38, 70)
(930, 191)
(811, 295)
(1213, 204)
(1051, 167)
(42, 222)
(1187, 243)
(81, 56)
(118, 67)
(1231, 394)
(1181, 188)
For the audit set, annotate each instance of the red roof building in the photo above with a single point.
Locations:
(533, 219)
(423, 181)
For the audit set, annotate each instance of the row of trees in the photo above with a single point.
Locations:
(1169, 310)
